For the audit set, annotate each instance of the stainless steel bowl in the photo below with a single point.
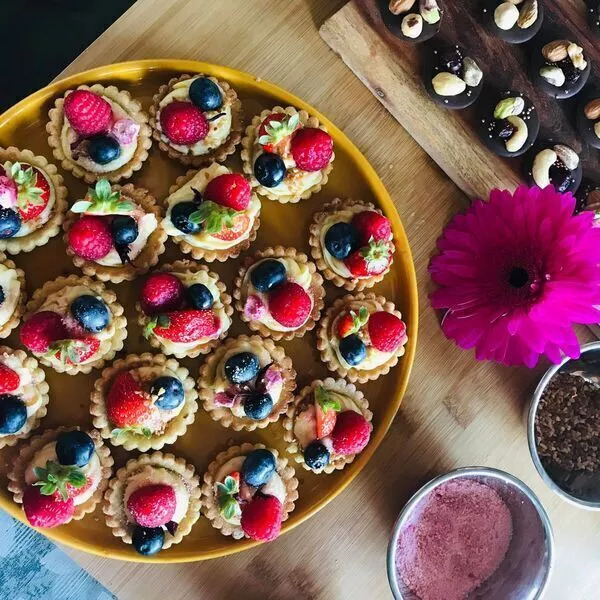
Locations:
(592, 493)
(525, 570)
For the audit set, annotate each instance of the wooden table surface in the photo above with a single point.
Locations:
(456, 412)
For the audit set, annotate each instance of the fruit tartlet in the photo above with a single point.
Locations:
(114, 233)
(153, 502)
(184, 309)
(60, 475)
(328, 424)
(143, 402)
(246, 383)
(287, 154)
(74, 324)
(197, 119)
(361, 337)
(248, 491)
(352, 244)
(99, 132)
(279, 293)
(33, 200)
(12, 295)
(212, 213)
(23, 395)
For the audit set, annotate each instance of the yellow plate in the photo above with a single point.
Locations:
(23, 125)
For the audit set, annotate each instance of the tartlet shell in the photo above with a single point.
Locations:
(316, 288)
(15, 318)
(246, 154)
(223, 415)
(175, 428)
(48, 230)
(134, 111)
(210, 506)
(218, 154)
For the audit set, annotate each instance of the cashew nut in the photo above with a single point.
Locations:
(541, 167)
(517, 140)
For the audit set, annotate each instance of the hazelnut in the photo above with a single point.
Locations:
(506, 15)
(412, 25)
(592, 109)
(447, 84)
(556, 51)
(397, 7)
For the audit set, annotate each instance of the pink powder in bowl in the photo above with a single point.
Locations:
(456, 539)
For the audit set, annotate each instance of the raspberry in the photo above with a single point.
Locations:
(41, 329)
(230, 189)
(386, 330)
(371, 225)
(351, 433)
(161, 292)
(9, 379)
(152, 505)
(87, 112)
(312, 149)
(90, 238)
(46, 511)
(183, 123)
(289, 304)
(261, 518)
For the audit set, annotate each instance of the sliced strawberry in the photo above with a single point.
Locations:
(33, 190)
(372, 259)
(351, 322)
(185, 326)
(241, 223)
(74, 352)
(325, 421)
(275, 132)
(9, 379)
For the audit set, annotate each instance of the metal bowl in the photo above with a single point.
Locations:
(590, 494)
(525, 570)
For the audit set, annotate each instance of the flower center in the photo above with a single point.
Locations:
(518, 277)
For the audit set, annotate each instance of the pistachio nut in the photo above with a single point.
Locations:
(575, 53)
(506, 15)
(508, 107)
(528, 15)
(447, 84)
(597, 129)
(541, 167)
(592, 109)
(472, 74)
(412, 25)
(517, 140)
(397, 7)
(430, 11)
(567, 156)
(553, 75)
(556, 51)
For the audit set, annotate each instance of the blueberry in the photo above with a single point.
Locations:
(258, 467)
(91, 313)
(316, 456)
(124, 230)
(172, 394)
(241, 367)
(147, 540)
(180, 217)
(2, 296)
(199, 296)
(205, 94)
(267, 275)
(352, 349)
(13, 413)
(10, 223)
(269, 169)
(258, 406)
(104, 149)
(75, 448)
(341, 239)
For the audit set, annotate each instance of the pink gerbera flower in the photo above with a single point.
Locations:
(516, 273)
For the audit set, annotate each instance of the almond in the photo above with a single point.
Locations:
(397, 7)
(592, 110)
(556, 51)
(528, 15)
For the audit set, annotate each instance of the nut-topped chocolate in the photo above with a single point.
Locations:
(514, 21)
(412, 20)
(588, 117)
(551, 163)
(588, 197)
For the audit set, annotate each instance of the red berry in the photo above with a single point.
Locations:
(88, 113)
(126, 403)
(386, 331)
(46, 511)
(161, 292)
(9, 379)
(371, 226)
(230, 189)
(346, 325)
(312, 149)
(326, 420)
(152, 505)
(261, 518)
(289, 304)
(90, 238)
(183, 123)
(275, 132)
(33, 191)
(187, 326)
(373, 259)
(351, 433)
(241, 222)
(41, 329)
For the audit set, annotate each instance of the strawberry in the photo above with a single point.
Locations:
(261, 518)
(88, 113)
(61, 481)
(128, 408)
(77, 491)
(351, 322)
(90, 238)
(33, 190)
(161, 292)
(371, 226)
(305, 426)
(46, 510)
(183, 123)
(230, 189)
(41, 329)
(152, 505)
(386, 331)
(241, 223)
(327, 405)
(73, 352)
(351, 433)
(372, 259)
(275, 132)
(9, 379)
(312, 149)
(289, 304)
(184, 326)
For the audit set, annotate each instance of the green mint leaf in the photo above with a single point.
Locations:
(102, 190)
(327, 400)
(81, 206)
(229, 508)
(232, 485)
(363, 315)
(76, 478)
(213, 217)
(222, 490)
(150, 326)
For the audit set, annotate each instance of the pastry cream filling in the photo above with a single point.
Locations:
(218, 130)
(93, 470)
(153, 475)
(296, 272)
(68, 136)
(186, 193)
(11, 287)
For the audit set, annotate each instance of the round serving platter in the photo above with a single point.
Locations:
(23, 126)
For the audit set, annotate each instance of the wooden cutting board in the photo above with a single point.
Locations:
(391, 69)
